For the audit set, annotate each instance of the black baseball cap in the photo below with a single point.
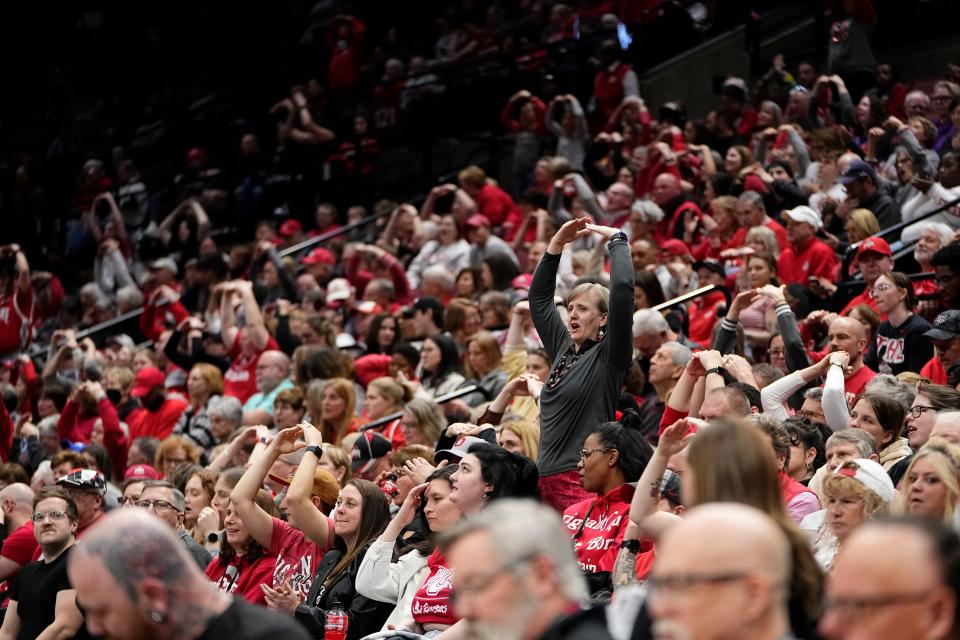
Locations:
(946, 326)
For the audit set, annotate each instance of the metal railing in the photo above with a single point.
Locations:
(696, 293)
(453, 395)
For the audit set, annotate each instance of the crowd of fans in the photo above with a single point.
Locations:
(489, 415)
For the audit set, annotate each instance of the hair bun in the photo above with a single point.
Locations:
(630, 419)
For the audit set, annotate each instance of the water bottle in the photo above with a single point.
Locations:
(335, 627)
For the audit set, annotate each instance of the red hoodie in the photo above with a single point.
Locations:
(597, 541)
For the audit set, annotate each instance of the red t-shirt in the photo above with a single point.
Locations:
(934, 371)
(853, 386)
(703, 315)
(295, 557)
(240, 380)
(814, 258)
(495, 203)
(15, 312)
(431, 603)
(598, 542)
(21, 547)
(242, 577)
(158, 424)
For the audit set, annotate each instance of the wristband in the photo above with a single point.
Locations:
(717, 370)
(633, 546)
(315, 450)
(619, 235)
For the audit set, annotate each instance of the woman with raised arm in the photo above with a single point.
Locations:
(591, 353)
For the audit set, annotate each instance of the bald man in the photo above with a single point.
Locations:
(273, 376)
(135, 580)
(734, 587)
(894, 579)
(669, 196)
(20, 545)
(847, 334)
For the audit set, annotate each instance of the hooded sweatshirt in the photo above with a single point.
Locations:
(597, 541)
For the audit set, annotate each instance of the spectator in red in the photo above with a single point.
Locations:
(16, 299)
(675, 205)
(20, 545)
(244, 345)
(752, 212)
(875, 259)
(721, 227)
(703, 310)
(807, 256)
(160, 412)
(613, 82)
(847, 334)
(87, 404)
(733, 103)
(345, 41)
(318, 266)
(491, 201)
(889, 91)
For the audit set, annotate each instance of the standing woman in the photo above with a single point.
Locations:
(758, 318)
(243, 564)
(386, 396)
(613, 456)
(900, 344)
(439, 360)
(591, 353)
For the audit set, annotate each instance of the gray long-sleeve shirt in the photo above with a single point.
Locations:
(587, 395)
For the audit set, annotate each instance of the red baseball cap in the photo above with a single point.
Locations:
(675, 247)
(290, 227)
(522, 281)
(874, 245)
(478, 220)
(146, 381)
(319, 256)
(196, 155)
(141, 472)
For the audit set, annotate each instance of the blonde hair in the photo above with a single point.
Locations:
(211, 375)
(333, 432)
(429, 416)
(339, 459)
(602, 294)
(491, 351)
(945, 459)
(864, 223)
(529, 434)
(836, 485)
(766, 236)
(390, 389)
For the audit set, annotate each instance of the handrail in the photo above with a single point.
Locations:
(696, 293)
(453, 395)
(900, 226)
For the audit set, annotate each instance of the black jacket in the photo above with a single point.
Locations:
(366, 616)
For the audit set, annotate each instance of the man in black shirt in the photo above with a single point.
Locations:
(135, 581)
(42, 601)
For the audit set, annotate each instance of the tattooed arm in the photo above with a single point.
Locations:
(625, 568)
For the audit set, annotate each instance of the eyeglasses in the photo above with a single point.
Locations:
(174, 461)
(941, 98)
(124, 501)
(586, 453)
(883, 287)
(858, 607)
(55, 516)
(479, 583)
(812, 415)
(156, 504)
(684, 581)
(917, 410)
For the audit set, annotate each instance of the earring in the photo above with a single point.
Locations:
(157, 617)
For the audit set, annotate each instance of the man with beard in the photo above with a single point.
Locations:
(516, 578)
(735, 587)
(135, 581)
(42, 600)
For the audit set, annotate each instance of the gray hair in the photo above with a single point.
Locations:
(227, 407)
(129, 297)
(651, 210)
(939, 229)
(679, 354)
(439, 275)
(752, 198)
(519, 530)
(888, 385)
(917, 96)
(865, 443)
(601, 293)
(176, 496)
(764, 235)
(814, 393)
(647, 322)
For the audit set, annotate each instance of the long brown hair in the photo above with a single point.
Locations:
(252, 549)
(374, 517)
(730, 461)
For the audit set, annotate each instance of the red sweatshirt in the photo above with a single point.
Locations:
(598, 541)
(70, 426)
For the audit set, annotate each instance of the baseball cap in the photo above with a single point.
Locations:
(459, 449)
(319, 256)
(368, 307)
(874, 245)
(147, 379)
(338, 289)
(804, 213)
(946, 326)
(871, 475)
(325, 486)
(478, 220)
(141, 472)
(367, 450)
(289, 228)
(84, 479)
(165, 263)
(711, 265)
(522, 281)
(121, 340)
(675, 247)
(857, 169)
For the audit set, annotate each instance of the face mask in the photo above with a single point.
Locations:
(114, 395)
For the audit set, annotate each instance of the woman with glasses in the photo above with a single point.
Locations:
(243, 564)
(419, 581)
(929, 401)
(173, 452)
(900, 344)
(807, 452)
(613, 455)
